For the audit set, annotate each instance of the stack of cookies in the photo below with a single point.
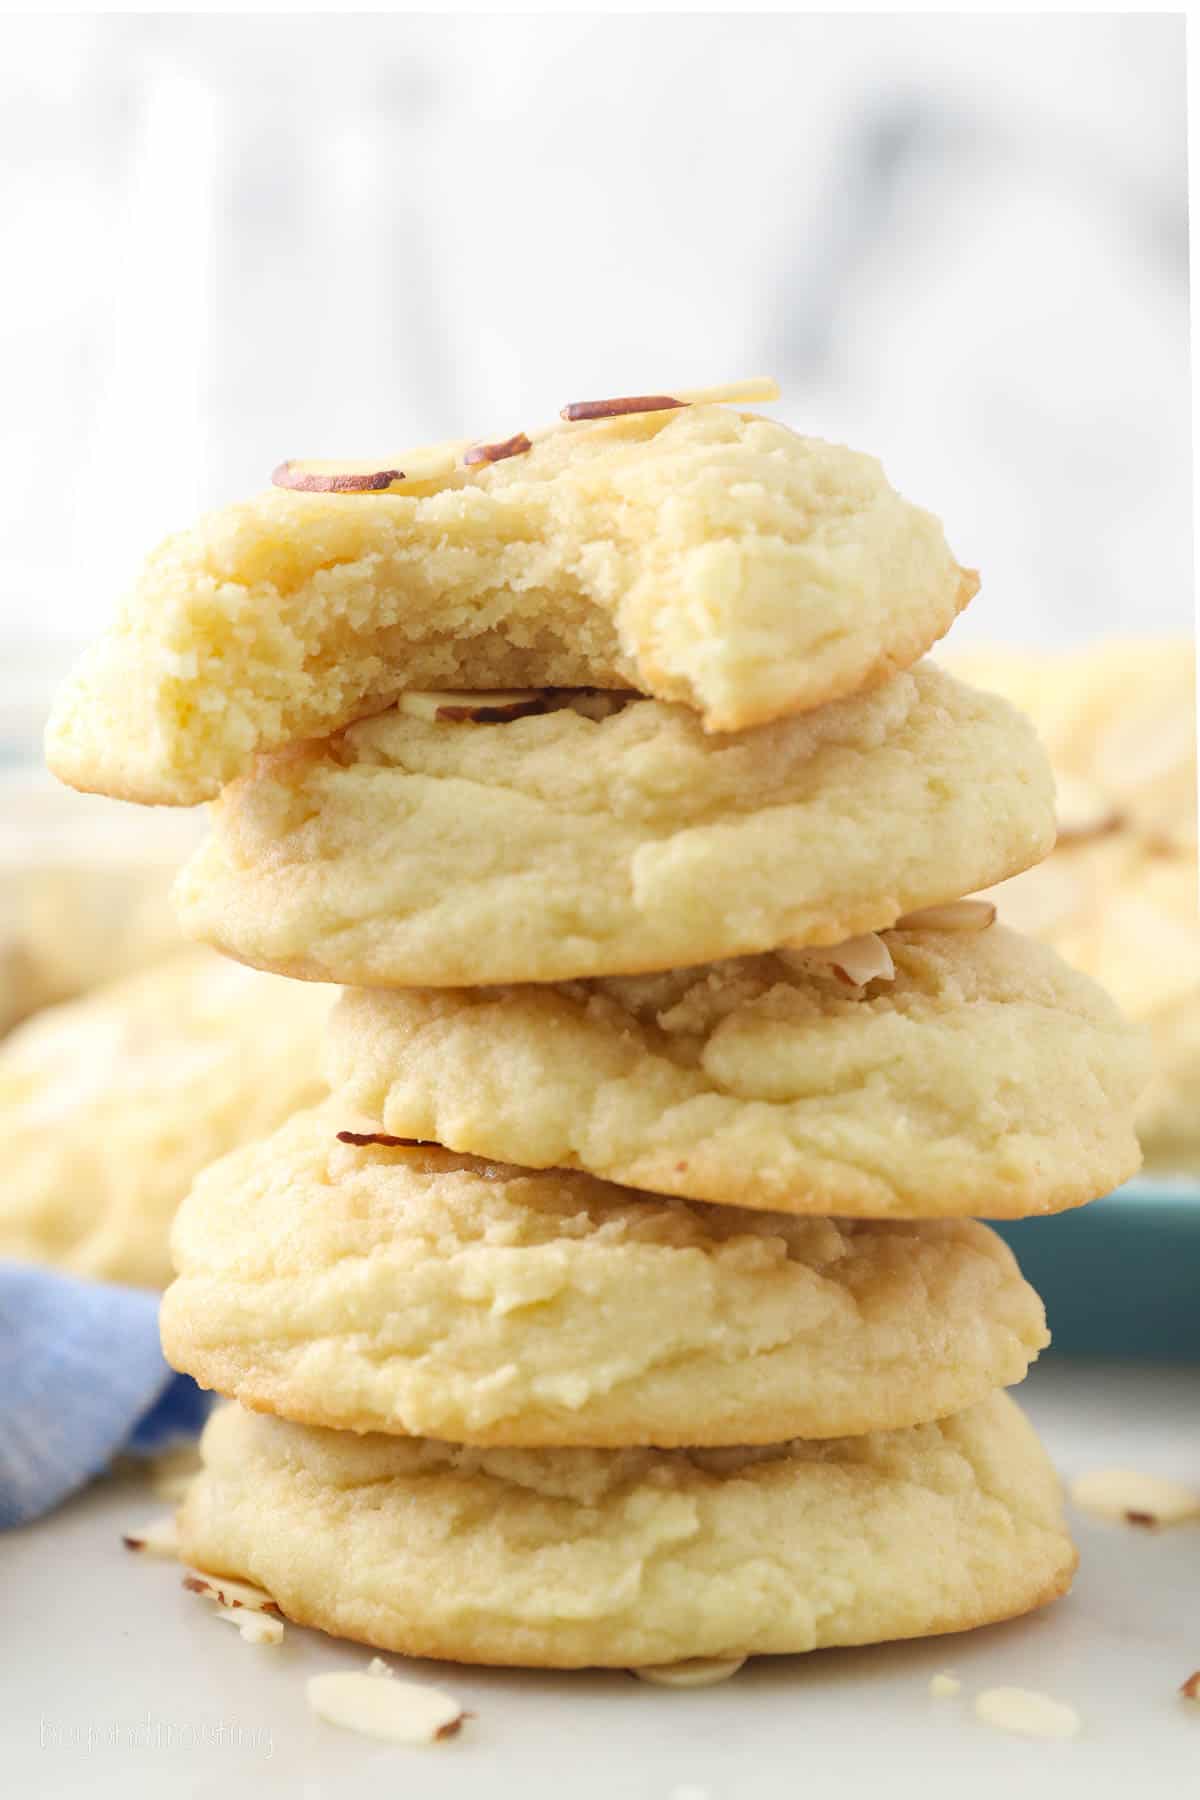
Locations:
(626, 1303)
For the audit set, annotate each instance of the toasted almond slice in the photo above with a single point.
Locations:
(230, 1593)
(516, 445)
(255, 1627)
(1131, 1498)
(1027, 1712)
(364, 1139)
(696, 1672)
(482, 708)
(326, 475)
(1084, 809)
(1190, 1689)
(158, 1538)
(955, 915)
(402, 1712)
(335, 477)
(756, 387)
(855, 961)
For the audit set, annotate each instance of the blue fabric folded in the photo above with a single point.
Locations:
(82, 1378)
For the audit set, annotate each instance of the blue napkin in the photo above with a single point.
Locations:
(82, 1377)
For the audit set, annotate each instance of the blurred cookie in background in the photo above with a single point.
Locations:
(1118, 897)
(111, 1104)
(84, 891)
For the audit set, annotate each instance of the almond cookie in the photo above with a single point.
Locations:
(577, 1558)
(84, 891)
(109, 1105)
(405, 1289)
(1118, 897)
(975, 1074)
(703, 556)
(603, 838)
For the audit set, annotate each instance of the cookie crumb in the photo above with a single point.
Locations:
(944, 1685)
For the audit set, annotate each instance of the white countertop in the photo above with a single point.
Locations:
(96, 1642)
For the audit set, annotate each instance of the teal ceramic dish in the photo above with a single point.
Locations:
(1120, 1277)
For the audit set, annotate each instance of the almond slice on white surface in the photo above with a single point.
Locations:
(1027, 1712)
(401, 1712)
(157, 1538)
(230, 1593)
(1129, 1497)
(255, 1627)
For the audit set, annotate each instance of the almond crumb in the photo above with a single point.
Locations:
(1190, 1689)
(944, 1685)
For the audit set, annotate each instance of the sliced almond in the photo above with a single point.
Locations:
(696, 1672)
(955, 915)
(855, 961)
(1129, 1497)
(1027, 1712)
(158, 1538)
(516, 445)
(755, 387)
(361, 1139)
(483, 708)
(402, 1712)
(230, 1593)
(325, 475)
(1084, 810)
(255, 1627)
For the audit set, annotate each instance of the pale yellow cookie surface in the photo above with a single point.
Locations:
(1118, 897)
(111, 1104)
(986, 1078)
(414, 852)
(706, 557)
(415, 1291)
(566, 1559)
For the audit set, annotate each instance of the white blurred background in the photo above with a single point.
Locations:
(959, 242)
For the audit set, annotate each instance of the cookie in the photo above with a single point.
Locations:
(109, 1105)
(1118, 897)
(706, 557)
(571, 1558)
(382, 1288)
(84, 892)
(1131, 918)
(1119, 722)
(612, 839)
(984, 1078)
